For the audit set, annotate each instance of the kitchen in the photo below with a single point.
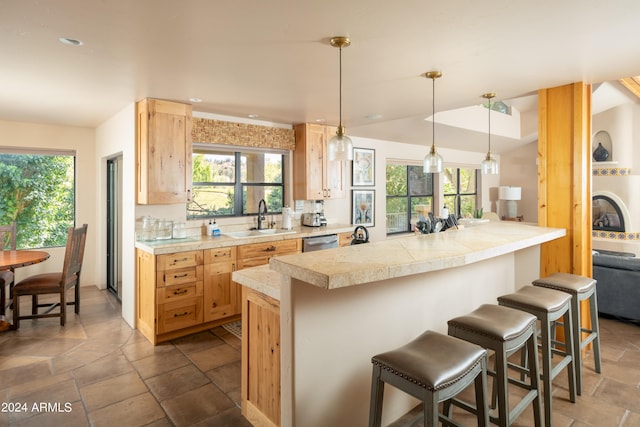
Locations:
(113, 135)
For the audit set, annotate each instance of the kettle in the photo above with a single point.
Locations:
(360, 235)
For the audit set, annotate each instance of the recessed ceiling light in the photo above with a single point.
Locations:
(195, 99)
(319, 120)
(374, 116)
(69, 41)
(253, 116)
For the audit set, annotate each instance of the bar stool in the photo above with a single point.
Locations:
(548, 306)
(580, 288)
(505, 331)
(433, 368)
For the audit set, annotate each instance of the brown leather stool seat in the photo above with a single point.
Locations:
(580, 288)
(504, 330)
(548, 305)
(433, 368)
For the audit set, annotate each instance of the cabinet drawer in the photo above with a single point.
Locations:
(178, 292)
(179, 260)
(219, 255)
(179, 276)
(179, 314)
(268, 249)
(344, 239)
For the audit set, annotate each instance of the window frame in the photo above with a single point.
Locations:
(458, 195)
(408, 195)
(237, 185)
(43, 152)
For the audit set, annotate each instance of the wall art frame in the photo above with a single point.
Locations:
(363, 167)
(363, 207)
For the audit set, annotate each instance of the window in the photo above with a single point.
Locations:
(409, 194)
(38, 192)
(460, 190)
(233, 183)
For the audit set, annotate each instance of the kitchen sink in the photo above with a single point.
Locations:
(258, 233)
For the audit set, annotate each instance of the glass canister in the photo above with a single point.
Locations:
(165, 228)
(179, 230)
(149, 228)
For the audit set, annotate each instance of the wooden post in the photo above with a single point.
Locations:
(564, 177)
(564, 180)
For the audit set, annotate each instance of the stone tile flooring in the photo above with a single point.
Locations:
(96, 371)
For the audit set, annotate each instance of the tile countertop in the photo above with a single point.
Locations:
(354, 265)
(159, 247)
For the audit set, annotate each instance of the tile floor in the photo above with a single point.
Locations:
(100, 372)
(96, 371)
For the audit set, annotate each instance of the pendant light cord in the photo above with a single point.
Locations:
(433, 119)
(340, 79)
(489, 126)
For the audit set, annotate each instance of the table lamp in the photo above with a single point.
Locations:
(510, 195)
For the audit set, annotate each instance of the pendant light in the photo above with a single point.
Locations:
(340, 145)
(433, 161)
(489, 165)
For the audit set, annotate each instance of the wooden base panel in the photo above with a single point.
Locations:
(157, 339)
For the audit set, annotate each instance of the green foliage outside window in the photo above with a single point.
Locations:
(232, 184)
(409, 193)
(37, 191)
(460, 184)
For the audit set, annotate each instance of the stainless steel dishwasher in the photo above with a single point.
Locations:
(317, 243)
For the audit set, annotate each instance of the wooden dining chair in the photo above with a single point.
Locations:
(7, 241)
(54, 283)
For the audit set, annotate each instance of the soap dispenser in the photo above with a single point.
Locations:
(215, 229)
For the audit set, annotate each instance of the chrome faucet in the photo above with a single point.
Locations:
(261, 213)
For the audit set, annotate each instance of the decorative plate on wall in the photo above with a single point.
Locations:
(601, 146)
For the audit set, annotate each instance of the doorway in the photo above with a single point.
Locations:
(114, 226)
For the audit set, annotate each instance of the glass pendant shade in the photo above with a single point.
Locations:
(489, 165)
(340, 146)
(432, 162)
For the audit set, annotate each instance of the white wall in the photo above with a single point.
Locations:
(82, 140)
(115, 137)
(519, 168)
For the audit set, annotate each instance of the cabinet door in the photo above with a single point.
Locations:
(163, 152)
(308, 182)
(220, 292)
(314, 176)
(333, 179)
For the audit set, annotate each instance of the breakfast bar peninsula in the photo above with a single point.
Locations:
(312, 321)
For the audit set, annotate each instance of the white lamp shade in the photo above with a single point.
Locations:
(510, 193)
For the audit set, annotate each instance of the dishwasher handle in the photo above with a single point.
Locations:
(321, 240)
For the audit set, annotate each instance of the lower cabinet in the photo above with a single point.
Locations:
(221, 298)
(184, 292)
(260, 358)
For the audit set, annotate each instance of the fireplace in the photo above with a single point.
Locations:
(606, 214)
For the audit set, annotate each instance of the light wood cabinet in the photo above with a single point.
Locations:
(163, 152)
(184, 292)
(344, 239)
(221, 294)
(314, 176)
(255, 254)
(260, 371)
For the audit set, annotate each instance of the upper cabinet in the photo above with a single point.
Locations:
(163, 152)
(314, 176)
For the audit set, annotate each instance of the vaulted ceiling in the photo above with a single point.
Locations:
(272, 59)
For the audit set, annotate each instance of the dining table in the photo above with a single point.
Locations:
(12, 259)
